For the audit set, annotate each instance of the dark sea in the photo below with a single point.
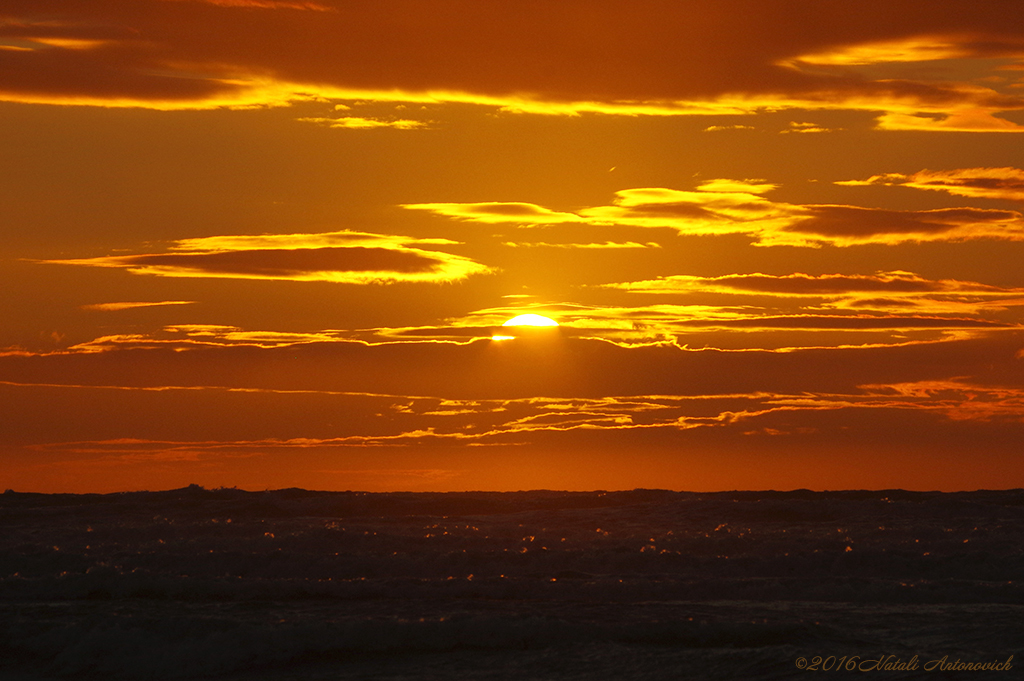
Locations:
(647, 584)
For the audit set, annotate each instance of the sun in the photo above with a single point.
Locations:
(530, 320)
(528, 325)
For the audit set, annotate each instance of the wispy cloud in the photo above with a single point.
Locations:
(814, 285)
(113, 307)
(903, 381)
(806, 128)
(357, 123)
(597, 245)
(267, 4)
(721, 207)
(724, 185)
(498, 212)
(719, 128)
(982, 183)
(911, 49)
(975, 119)
(197, 54)
(892, 300)
(340, 257)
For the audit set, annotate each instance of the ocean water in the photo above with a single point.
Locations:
(646, 584)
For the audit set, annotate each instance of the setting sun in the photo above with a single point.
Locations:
(530, 320)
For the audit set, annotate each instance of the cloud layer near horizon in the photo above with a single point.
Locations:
(277, 403)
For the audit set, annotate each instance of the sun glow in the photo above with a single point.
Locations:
(530, 320)
(529, 323)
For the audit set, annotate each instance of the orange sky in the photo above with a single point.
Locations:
(265, 243)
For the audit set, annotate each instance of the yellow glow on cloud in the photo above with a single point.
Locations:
(594, 246)
(356, 123)
(795, 127)
(1005, 183)
(232, 335)
(892, 293)
(242, 91)
(113, 307)
(158, 60)
(339, 257)
(798, 284)
(733, 209)
(695, 212)
(496, 212)
(966, 110)
(736, 186)
(70, 43)
(692, 212)
(189, 336)
(921, 48)
(965, 120)
(231, 93)
(347, 238)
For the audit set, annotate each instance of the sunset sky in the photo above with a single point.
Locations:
(272, 243)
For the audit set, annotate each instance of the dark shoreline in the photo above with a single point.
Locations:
(494, 501)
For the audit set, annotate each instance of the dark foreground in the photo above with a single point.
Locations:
(291, 584)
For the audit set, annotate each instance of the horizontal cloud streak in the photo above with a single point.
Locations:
(808, 285)
(599, 245)
(737, 57)
(357, 123)
(113, 307)
(341, 257)
(554, 403)
(562, 367)
(266, 4)
(892, 300)
(171, 421)
(982, 183)
(729, 208)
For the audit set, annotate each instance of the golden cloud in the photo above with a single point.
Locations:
(795, 127)
(722, 207)
(357, 123)
(799, 284)
(497, 212)
(108, 307)
(736, 186)
(892, 299)
(719, 128)
(212, 53)
(340, 257)
(983, 183)
(852, 225)
(913, 49)
(598, 245)
(967, 120)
